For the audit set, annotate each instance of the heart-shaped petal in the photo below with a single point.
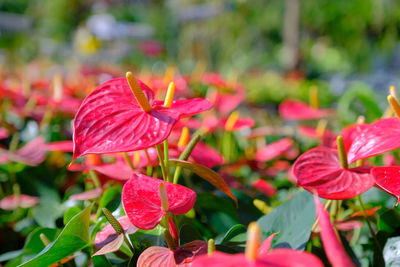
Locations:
(142, 202)
(273, 150)
(377, 138)
(183, 256)
(297, 110)
(111, 120)
(319, 170)
(388, 179)
(12, 202)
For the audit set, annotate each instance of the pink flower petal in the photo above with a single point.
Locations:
(33, 153)
(265, 246)
(63, 146)
(95, 193)
(142, 203)
(388, 179)
(273, 150)
(333, 248)
(297, 110)
(12, 202)
(319, 170)
(377, 138)
(108, 233)
(110, 119)
(265, 187)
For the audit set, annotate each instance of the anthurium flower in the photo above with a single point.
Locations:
(376, 138)
(183, 256)
(319, 169)
(111, 119)
(298, 110)
(333, 248)
(259, 256)
(273, 150)
(32, 154)
(15, 201)
(388, 179)
(142, 201)
(108, 240)
(265, 187)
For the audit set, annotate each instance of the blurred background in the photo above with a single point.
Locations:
(336, 44)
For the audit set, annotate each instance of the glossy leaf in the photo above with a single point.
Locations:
(376, 138)
(207, 174)
(319, 170)
(273, 150)
(297, 110)
(293, 221)
(75, 234)
(333, 248)
(142, 202)
(110, 119)
(388, 179)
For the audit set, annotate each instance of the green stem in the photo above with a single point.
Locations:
(95, 179)
(149, 169)
(166, 158)
(368, 223)
(186, 153)
(128, 160)
(160, 158)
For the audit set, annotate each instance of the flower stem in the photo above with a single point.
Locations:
(160, 158)
(95, 179)
(128, 160)
(149, 169)
(368, 223)
(166, 158)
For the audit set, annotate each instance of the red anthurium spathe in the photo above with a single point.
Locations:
(32, 154)
(265, 187)
(388, 179)
(319, 170)
(281, 257)
(142, 202)
(333, 248)
(377, 138)
(297, 110)
(183, 256)
(273, 150)
(110, 119)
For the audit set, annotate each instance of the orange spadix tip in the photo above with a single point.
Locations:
(253, 241)
(138, 92)
(164, 198)
(170, 95)
(231, 121)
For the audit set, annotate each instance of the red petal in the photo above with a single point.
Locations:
(188, 107)
(377, 138)
(273, 150)
(297, 110)
(12, 202)
(108, 233)
(319, 170)
(388, 179)
(117, 171)
(63, 146)
(265, 246)
(206, 155)
(142, 204)
(265, 187)
(333, 248)
(348, 226)
(350, 133)
(4, 133)
(241, 123)
(111, 246)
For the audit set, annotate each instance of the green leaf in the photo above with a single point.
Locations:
(389, 221)
(74, 237)
(391, 251)
(237, 233)
(293, 221)
(189, 233)
(207, 174)
(108, 195)
(70, 213)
